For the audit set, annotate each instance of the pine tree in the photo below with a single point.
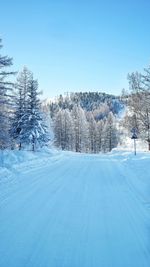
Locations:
(28, 127)
(5, 101)
(33, 131)
(20, 105)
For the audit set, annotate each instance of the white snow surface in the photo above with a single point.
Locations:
(63, 209)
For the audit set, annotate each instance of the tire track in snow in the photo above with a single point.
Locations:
(84, 215)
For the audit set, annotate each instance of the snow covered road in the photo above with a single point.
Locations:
(77, 211)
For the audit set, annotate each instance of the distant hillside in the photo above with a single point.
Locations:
(89, 101)
(85, 122)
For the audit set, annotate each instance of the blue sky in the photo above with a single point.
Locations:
(77, 45)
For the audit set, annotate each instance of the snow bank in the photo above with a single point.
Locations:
(12, 161)
(128, 145)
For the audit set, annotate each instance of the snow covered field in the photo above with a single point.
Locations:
(74, 210)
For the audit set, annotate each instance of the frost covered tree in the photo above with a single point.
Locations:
(68, 131)
(5, 100)
(23, 84)
(20, 105)
(48, 120)
(33, 131)
(145, 112)
(28, 126)
(58, 129)
(64, 130)
(139, 103)
(110, 138)
(92, 126)
(100, 135)
(80, 129)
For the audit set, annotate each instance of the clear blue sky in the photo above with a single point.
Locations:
(77, 45)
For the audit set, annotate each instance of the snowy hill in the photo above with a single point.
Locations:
(65, 209)
(89, 101)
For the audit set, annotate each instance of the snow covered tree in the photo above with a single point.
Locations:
(92, 126)
(68, 131)
(5, 101)
(80, 129)
(100, 135)
(64, 130)
(58, 129)
(48, 120)
(33, 131)
(23, 83)
(145, 112)
(110, 138)
(139, 103)
(20, 105)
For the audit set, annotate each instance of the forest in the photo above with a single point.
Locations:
(89, 122)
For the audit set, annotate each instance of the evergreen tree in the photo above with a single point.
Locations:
(30, 129)
(33, 131)
(5, 101)
(20, 105)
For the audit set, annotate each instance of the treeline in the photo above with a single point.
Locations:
(78, 130)
(85, 121)
(21, 120)
(99, 103)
